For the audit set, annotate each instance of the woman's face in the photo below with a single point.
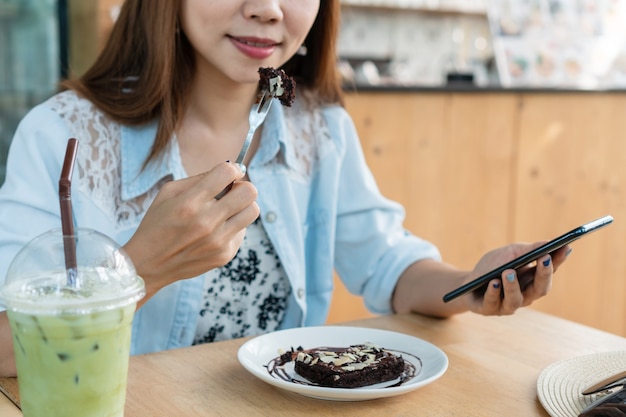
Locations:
(233, 38)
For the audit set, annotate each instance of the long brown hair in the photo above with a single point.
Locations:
(146, 66)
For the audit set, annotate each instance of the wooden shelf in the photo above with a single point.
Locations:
(397, 5)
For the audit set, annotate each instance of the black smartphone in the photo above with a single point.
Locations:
(529, 257)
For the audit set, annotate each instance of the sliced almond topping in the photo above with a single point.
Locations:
(342, 360)
(356, 366)
(327, 359)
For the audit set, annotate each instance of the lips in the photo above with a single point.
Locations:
(256, 48)
(257, 43)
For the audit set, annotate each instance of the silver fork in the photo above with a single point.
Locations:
(255, 118)
(613, 381)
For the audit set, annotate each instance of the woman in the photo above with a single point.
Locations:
(157, 116)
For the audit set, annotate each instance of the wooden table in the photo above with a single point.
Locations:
(494, 365)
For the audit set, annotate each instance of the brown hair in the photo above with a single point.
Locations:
(145, 68)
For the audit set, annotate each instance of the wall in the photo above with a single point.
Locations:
(476, 171)
(447, 159)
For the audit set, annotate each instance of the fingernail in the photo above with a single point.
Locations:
(569, 250)
(496, 285)
(546, 263)
(510, 277)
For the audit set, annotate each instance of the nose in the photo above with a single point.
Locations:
(263, 10)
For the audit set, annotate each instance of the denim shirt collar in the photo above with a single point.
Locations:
(137, 142)
(274, 138)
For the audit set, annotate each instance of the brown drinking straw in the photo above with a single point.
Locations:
(67, 222)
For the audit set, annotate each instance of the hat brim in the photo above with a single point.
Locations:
(559, 385)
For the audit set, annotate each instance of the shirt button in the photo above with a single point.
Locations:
(270, 217)
(300, 293)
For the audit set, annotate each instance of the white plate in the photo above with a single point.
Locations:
(256, 354)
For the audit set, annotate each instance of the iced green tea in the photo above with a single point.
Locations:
(71, 337)
(72, 365)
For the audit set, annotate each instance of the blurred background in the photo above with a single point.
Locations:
(491, 121)
(503, 43)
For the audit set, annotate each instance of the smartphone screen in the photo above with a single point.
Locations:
(531, 256)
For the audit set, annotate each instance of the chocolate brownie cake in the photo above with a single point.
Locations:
(355, 366)
(279, 84)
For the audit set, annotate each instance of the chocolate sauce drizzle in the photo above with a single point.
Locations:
(278, 367)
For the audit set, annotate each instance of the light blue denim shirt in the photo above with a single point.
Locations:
(320, 206)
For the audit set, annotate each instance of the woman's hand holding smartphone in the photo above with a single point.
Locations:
(529, 257)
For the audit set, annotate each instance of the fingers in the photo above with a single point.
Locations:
(507, 295)
(198, 194)
(513, 298)
(240, 194)
(186, 231)
(213, 183)
(542, 282)
(515, 289)
(207, 183)
(224, 191)
(492, 298)
(559, 256)
(242, 200)
(216, 220)
(503, 296)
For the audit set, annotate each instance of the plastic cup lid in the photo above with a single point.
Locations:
(37, 279)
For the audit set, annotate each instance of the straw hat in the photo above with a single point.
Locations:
(559, 385)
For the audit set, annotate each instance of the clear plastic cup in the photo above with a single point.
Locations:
(71, 340)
